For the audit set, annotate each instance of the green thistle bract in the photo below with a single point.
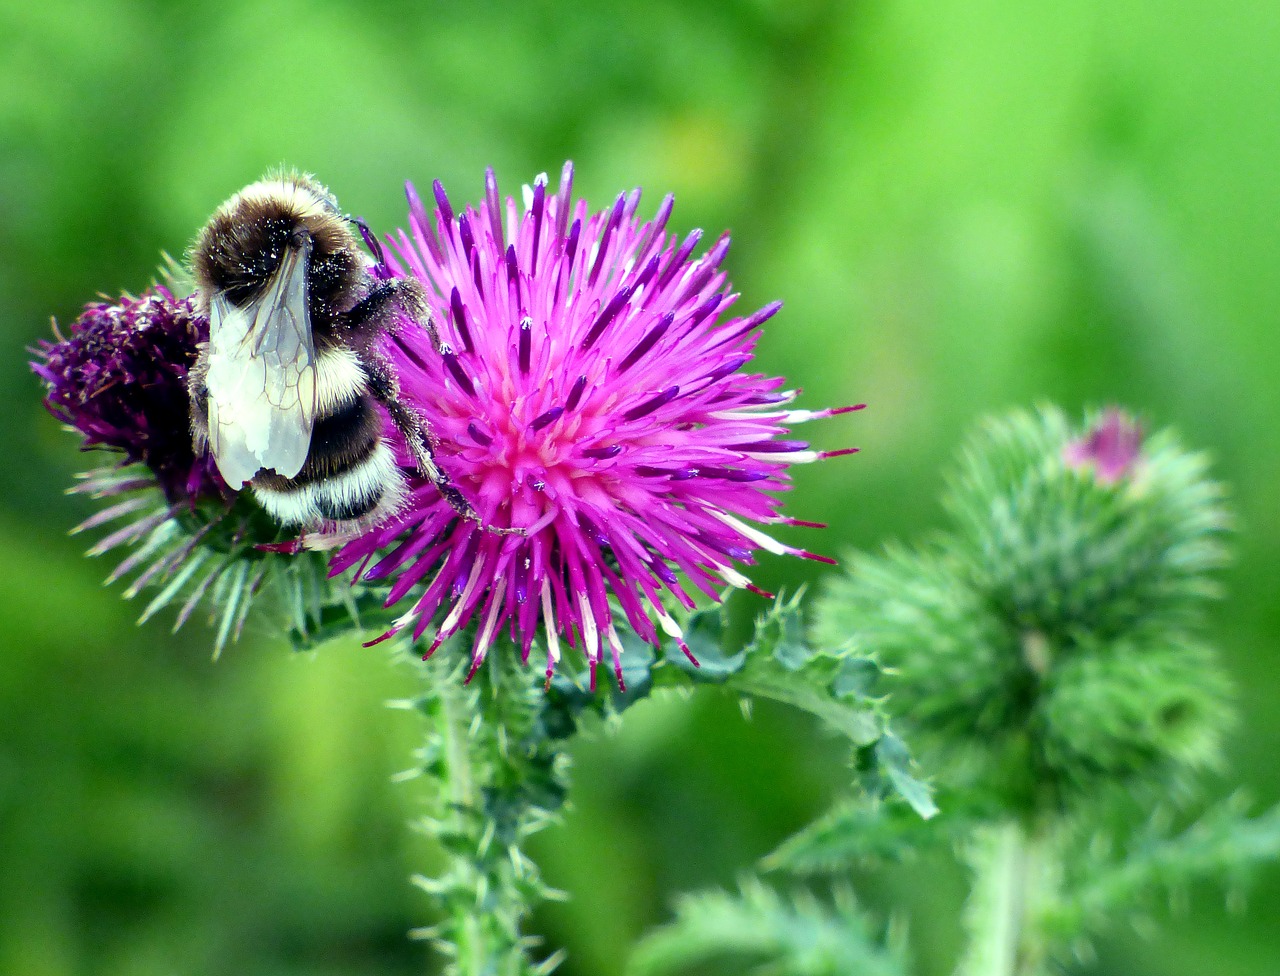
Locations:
(1049, 641)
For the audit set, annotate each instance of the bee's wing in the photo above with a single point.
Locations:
(262, 377)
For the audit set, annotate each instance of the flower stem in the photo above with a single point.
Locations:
(1012, 873)
(458, 786)
(498, 777)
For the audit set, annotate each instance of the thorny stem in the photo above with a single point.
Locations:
(459, 789)
(1013, 872)
(498, 777)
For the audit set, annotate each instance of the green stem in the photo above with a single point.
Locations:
(1011, 875)
(498, 777)
(458, 787)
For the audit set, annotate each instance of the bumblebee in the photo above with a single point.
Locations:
(284, 393)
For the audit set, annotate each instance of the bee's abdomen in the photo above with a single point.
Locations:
(350, 471)
(373, 483)
(341, 440)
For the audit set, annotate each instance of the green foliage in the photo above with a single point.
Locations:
(206, 558)
(833, 683)
(499, 775)
(1106, 878)
(951, 657)
(1056, 550)
(1047, 646)
(1132, 704)
(495, 751)
(859, 832)
(1046, 655)
(760, 931)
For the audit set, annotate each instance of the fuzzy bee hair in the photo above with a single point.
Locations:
(284, 393)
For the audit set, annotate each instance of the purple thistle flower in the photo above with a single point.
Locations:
(589, 389)
(1110, 448)
(120, 378)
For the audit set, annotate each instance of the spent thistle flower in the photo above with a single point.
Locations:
(119, 378)
(589, 390)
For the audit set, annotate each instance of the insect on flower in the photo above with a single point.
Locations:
(527, 418)
(589, 388)
(285, 393)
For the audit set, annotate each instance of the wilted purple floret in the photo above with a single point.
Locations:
(119, 376)
(1110, 448)
(591, 390)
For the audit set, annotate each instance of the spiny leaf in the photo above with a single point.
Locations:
(1223, 843)
(860, 831)
(704, 634)
(833, 684)
(895, 762)
(780, 666)
(760, 928)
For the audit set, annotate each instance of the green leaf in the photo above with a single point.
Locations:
(858, 832)
(894, 760)
(781, 667)
(797, 936)
(779, 664)
(1223, 844)
(704, 633)
(321, 622)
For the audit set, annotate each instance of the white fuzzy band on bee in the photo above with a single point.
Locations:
(375, 480)
(339, 379)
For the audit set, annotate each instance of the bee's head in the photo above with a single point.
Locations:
(242, 245)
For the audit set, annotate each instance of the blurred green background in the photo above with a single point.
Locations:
(964, 205)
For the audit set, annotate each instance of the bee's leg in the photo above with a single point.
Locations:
(373, 244)
(385, 388)
(367, 321)
(375, 313)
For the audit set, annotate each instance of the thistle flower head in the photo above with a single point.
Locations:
(1110, 447)
(590, 390)
(120, 378)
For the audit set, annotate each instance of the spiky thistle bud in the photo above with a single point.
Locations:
(1051, 636)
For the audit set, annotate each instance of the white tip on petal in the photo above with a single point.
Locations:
(733, 577)
(451, 621)
(549, 623)
(790, 457)
(668, 624)
(615, 644)
(764, 541)
(490, 623)
(590, 632)
(801, 416)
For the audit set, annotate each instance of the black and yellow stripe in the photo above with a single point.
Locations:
(350, 472)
